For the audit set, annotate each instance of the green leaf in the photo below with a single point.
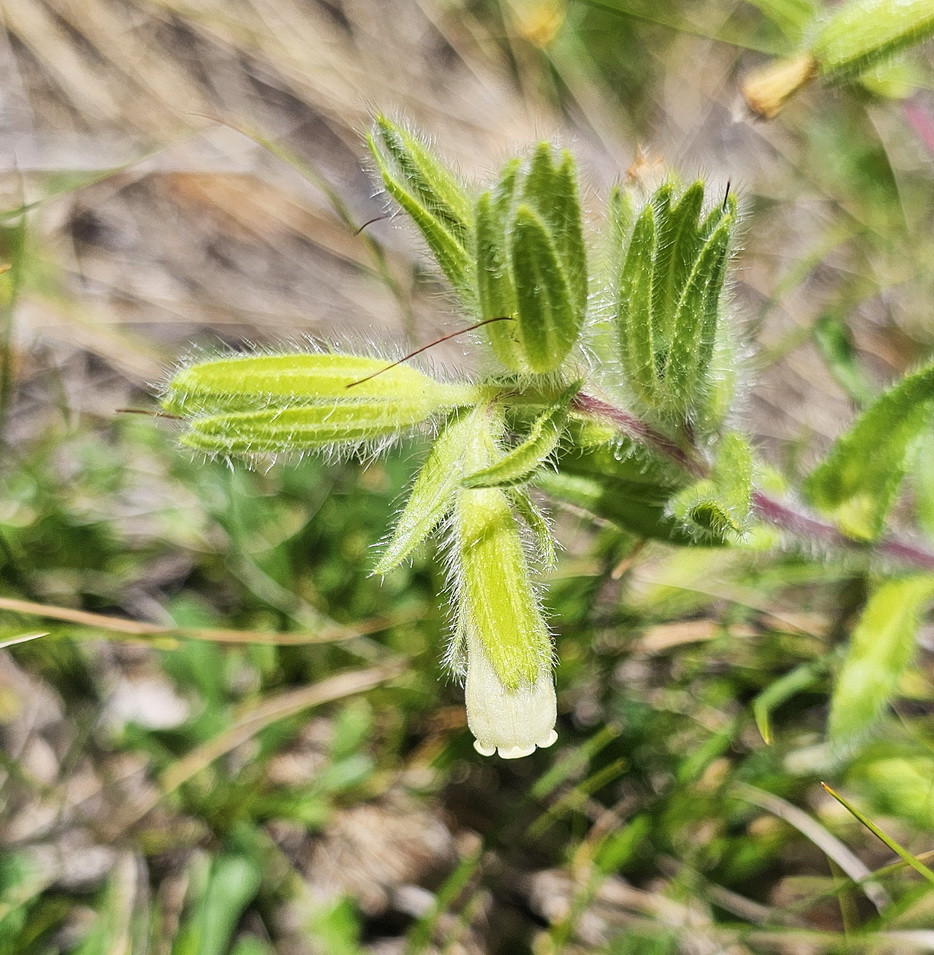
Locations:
(633, 493)
(433, 199)
(112, 929)
(883, 836)
(526, 458)
(783, 689)
(880, 650)
(857, 482)
(833, 341)
(720, 505)
(895, 773)
(860, 33)
(14, 262)
(222, 894)
(432, 494)
(792, 17)
(548, 321)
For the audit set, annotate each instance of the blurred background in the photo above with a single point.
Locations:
(230, 738)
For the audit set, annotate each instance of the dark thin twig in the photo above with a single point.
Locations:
(369, 222)
(437, 341)
(149, 412)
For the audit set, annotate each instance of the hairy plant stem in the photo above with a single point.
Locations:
(786, 515)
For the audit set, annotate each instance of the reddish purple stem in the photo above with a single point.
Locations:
(781, 514)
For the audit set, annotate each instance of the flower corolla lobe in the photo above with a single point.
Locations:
(511, 721)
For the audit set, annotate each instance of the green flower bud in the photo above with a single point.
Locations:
(667, 309)
(259, 404)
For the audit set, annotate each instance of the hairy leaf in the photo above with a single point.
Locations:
(432, 494)
(633, 492)
(859, 33)
(433, 199)
(526, 458)
(857, 482)
(880, 650)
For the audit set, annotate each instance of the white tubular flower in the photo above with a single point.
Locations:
(514, 722)
(510, 692)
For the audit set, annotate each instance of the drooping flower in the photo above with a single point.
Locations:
(503, 644)
(511, 721)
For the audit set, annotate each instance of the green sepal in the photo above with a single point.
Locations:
(548, 323)
(306, 427)
(696, 317)
(880, 650)
(676, 250)
(634, 308)
(432, 197)
(523, 462)
(622, 216)
(536, 522)
(667, 305)
(857, 482)
(720, 505)
(552, 192)
(432, 494)
(495, 289)
(861, 33)
(257, 382)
